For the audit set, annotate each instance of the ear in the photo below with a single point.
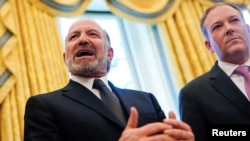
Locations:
(110, 53)
(248, 28)
(64, 58)
(208, 46)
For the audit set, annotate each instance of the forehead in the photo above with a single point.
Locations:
(219, 13)
(85, 25)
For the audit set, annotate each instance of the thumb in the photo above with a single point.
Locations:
(133, 118)
(171, 115)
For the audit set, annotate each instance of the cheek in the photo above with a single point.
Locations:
(70, 48)
(218, 38)
(215, 43)
(100, 49)
(247, 33)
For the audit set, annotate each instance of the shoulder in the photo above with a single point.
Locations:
(202, 79)
(126, 90)
(199, 80)
(57, 92)
(53, 95)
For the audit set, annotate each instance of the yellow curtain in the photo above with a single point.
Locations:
(147, 11)
(153, 11)
(185, 43)
(179, 22)
(66, 8)
(31, 48)
(31, 60)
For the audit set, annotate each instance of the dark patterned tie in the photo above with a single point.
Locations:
(110, 99)
(244, 71)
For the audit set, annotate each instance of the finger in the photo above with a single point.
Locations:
(159, 137)
(181, 130)
(154, 128)
(178, 124)
(133, 118)
(171, 115)
(180, 134)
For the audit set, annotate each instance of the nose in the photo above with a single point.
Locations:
(229, 30)
(83, 40)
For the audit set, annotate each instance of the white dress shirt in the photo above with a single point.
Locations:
(88, 83)
(229, 68)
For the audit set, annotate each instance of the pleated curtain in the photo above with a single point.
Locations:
(31, 48)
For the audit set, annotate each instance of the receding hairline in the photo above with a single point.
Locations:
(84, 21)
(103, 31)
(211, 8)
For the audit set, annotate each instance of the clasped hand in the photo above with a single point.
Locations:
(170, 129)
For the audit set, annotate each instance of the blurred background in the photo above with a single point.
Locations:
(158, 48)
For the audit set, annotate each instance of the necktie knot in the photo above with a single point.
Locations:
(242, 70)
(98, 84)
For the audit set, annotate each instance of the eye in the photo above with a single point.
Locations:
(235, 20)
(93, 34)
(216, 27)
(73, 36)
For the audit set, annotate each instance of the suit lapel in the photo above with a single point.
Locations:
(222, 83)
(81, 94)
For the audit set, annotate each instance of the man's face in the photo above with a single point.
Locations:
(87, 52)
(228, 34)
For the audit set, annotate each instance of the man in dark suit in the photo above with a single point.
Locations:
(77, 112)
(217, 101)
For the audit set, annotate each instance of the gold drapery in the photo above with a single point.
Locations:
(153, 11)
(148, 11)
(31, 61)
(31, 50)
(185, 42)
(179, 22)
(66, 8)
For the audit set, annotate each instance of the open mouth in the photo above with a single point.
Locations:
(83, 53)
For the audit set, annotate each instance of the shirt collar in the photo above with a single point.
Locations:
(229, 68)
(88, 82)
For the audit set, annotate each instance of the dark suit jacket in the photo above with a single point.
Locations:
(213, 100)
(74, 113)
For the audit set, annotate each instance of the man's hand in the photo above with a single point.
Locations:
(180, 131)
(149, 132)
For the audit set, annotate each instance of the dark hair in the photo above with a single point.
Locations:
(209, 9)
(107, 36)
(107, 39)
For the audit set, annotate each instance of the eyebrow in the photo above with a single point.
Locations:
(230, 17)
